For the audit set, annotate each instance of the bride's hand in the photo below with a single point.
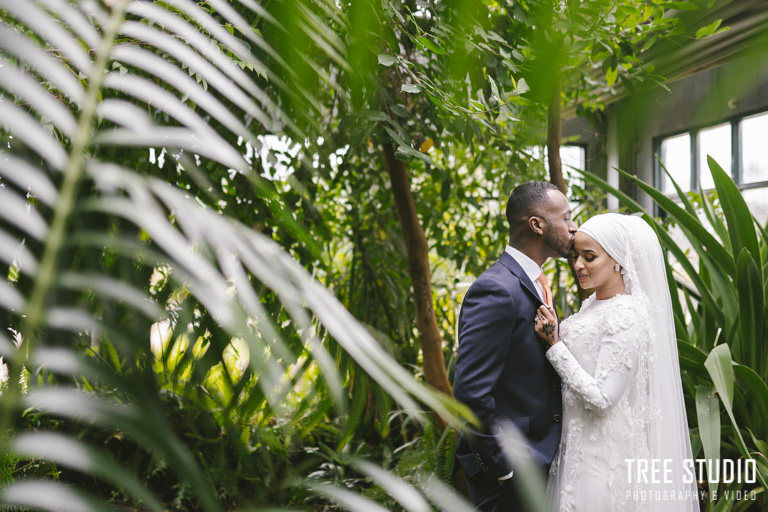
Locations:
(546, 325)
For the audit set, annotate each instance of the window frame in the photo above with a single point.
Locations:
(736, 157)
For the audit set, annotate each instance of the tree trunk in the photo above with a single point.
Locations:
(554, 135)
(421, 279)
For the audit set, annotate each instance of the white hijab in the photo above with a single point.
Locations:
(635, 246)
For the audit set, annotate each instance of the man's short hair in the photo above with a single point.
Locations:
(526, 199)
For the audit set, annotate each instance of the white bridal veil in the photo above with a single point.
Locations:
(635, 246)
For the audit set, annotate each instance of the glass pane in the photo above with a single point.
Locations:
(573, 157)
(758, 206)
(715, 142)
(754, 150)
(676, 157)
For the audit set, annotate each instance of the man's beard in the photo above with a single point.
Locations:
(561, 247)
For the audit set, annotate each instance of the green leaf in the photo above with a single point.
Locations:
(47, 495)
(715, 220)
(68, 452)
(522, 86)
(494, 89)
(411, 88)
(726, 501)
(347, 499)
(404, 152)
(751, 310)
(386, 60)
(691, 353)
(708, 30)
(434, 47)
(720, 368)
(685, 6)
(523, 102)
(737, 215)
(708, 415)
(758, 391)
(396, 137)
(611, 75)
(399, 489)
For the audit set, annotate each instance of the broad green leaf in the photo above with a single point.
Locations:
(715, 220)
(432, 46)
(351, 501)
(494, 89)
(708, 30)
(522, 86)
(751, 311)
(445, 497)
(757, 389)
(68, 452)
(728, 498)
(691, 353)
(47, 495)
(708, 414)
(723, 290)
(401, 491)
(404, 152)
(719, 366)
(520, 458)
(737, 215)
(412, 88)
(523, 102)
(680, 192)
(387, 60)
(611, 75)
(686, 6)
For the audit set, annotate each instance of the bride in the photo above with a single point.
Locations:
(625, 434)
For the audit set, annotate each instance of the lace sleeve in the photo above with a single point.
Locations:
(620, 346)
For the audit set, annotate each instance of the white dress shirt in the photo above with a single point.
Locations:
(530, 267)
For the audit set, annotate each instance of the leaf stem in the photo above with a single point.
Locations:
(73, 173)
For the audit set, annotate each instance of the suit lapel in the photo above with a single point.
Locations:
(514, 267)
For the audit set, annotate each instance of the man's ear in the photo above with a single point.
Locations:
(536, 224)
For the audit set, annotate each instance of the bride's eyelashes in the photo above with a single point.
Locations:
(588, 258)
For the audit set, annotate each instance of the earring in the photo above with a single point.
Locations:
(616, 267)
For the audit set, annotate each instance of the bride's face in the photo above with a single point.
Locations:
(594, 267)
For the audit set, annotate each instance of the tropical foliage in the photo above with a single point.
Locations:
(112, 254)
(237, 234)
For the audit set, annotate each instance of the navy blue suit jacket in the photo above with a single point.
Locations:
(502, 373)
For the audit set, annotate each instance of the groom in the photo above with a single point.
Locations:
(501, 371)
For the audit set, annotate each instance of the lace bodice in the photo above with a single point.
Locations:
(603, 361)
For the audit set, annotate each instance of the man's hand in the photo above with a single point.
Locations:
(546, 326)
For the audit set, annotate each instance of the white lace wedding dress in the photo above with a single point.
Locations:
(622, 390)
(603, 360)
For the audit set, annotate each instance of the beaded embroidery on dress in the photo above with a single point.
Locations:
(604, 414)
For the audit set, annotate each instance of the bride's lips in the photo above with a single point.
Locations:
(581, 277)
